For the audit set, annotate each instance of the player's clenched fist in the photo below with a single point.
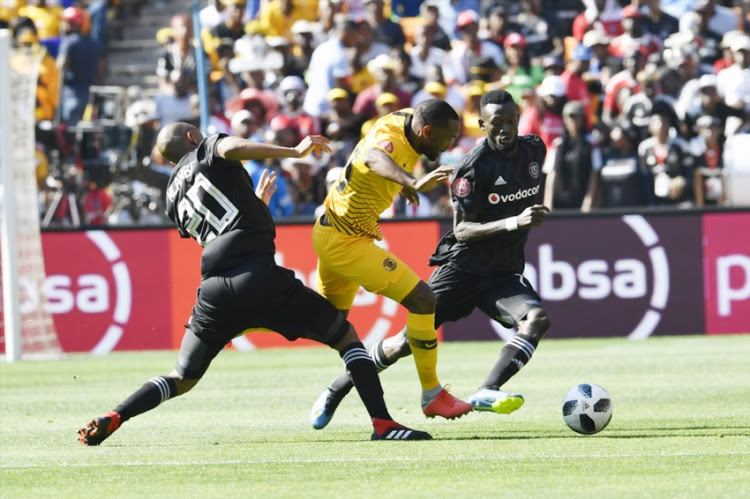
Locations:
(532, 216)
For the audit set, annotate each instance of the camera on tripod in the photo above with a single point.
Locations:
(93, 154)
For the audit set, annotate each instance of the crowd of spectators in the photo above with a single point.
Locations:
(69, 39)
(640, 103)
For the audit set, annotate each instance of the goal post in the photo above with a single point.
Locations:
(9, 249)
(28, 329)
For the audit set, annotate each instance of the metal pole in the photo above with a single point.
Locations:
(200, 68)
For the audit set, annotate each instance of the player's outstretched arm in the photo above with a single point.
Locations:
(434, 178)
(236, 148)
(466, 228)
(382, 164)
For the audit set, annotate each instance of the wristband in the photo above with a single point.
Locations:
(511, 223)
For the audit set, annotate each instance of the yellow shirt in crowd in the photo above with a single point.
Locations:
(46, 19)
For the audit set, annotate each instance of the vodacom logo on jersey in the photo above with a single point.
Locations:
(520, 194)
(88, 291)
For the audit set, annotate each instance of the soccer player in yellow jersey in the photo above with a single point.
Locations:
(380, 167)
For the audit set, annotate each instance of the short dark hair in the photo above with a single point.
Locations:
(435, 112)
(19, 23)
(496, 97)
(663, 109)
(172, 141)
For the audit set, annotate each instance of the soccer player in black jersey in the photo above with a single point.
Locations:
(497, 188)
(212, 199)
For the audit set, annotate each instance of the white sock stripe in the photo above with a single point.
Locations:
(163, 387)
(356, 354)
(378, 360)
(158, 383)
(523, 345)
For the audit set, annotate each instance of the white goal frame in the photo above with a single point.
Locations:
(29, 330)
(11, 293)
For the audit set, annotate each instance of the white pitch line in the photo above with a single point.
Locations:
(223, 462)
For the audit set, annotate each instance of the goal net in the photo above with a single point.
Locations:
(26, 328)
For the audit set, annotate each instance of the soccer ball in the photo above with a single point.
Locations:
(587, 408)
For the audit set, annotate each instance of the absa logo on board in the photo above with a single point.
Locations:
(616, 283)
(88, 290)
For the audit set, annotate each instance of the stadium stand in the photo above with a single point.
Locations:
(635, 67)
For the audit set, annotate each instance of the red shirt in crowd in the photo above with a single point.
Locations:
(547, 125)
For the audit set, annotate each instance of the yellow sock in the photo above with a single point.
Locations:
(422, 337)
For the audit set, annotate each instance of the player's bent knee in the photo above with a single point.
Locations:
(349, 337)
(183, 384)
(538, 321)
(421, 299)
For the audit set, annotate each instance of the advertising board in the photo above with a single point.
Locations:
(629, 276)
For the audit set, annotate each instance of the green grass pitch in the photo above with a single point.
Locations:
(681, 427)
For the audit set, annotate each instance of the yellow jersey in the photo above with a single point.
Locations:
(46, 19)
(48, 79)
(9, 9)
(359, 196)
(276, 23)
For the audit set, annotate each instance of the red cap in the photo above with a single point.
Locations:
(281, 121)
(269, 102)
(466, 17)
(514, 39)
(74, 15)
(631, 11)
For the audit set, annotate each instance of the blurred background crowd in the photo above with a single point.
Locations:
(640, 103)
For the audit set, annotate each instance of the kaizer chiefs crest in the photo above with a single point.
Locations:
(389, 264)
(534, 169)
(387, 145)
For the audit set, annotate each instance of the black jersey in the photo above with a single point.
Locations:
(212, 200)
(491, 187)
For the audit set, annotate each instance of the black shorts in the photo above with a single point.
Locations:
(506, 298)
(253, 296)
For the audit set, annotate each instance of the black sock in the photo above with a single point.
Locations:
(343, 384)
(514, 355)
(361, 369)
(151, 394)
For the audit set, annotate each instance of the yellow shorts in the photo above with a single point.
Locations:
(347, 262)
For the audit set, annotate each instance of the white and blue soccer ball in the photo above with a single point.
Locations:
(587, 408)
